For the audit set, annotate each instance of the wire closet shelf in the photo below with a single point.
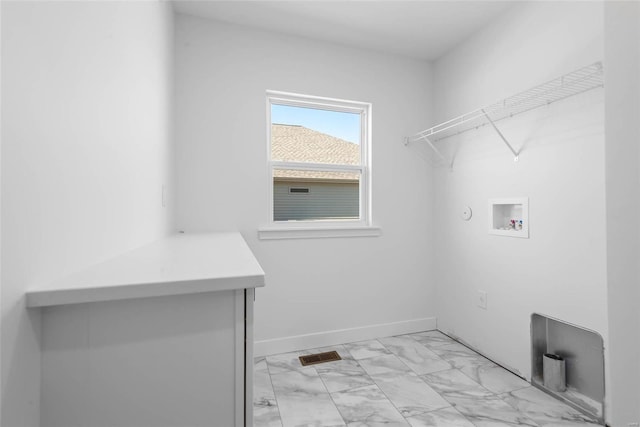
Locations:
(574, 83)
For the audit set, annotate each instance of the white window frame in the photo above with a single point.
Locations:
(322, 228)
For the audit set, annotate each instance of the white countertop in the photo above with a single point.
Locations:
(179, 264)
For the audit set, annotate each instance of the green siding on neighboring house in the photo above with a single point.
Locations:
(325, 200)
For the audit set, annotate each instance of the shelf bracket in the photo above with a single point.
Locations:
(515, 154)
(433, 147)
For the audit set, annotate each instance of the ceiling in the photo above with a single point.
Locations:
(419, 29)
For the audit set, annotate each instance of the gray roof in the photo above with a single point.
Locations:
(293, 143)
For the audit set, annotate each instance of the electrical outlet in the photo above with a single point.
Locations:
(482, 299)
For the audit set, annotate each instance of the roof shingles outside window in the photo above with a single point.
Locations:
(292, 143)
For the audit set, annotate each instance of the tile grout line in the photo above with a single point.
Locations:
(451, 403)
(419, 343)
(486, 357)
(274, 391)
(378, 386)
(411, 371)
(515, 408)
(442, 370)
(298, 353)
(496, 395)
(419, 376)
(330, 396)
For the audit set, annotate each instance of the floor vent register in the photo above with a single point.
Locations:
(314, 359)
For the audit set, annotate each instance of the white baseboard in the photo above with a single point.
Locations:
(341, 336)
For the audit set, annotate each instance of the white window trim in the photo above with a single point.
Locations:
(322, 229)
(317, 233)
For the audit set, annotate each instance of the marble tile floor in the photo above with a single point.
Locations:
(422, 379)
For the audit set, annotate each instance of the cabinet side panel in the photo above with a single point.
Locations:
(158, 362)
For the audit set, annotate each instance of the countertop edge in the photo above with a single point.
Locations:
(52, 297)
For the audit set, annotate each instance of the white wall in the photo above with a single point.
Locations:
(560, 270)
(313, 285)
(86, 132)
(622, 56)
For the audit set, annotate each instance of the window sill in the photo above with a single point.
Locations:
(276, 233)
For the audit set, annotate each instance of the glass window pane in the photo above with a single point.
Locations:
(301, 134)
(315, 195)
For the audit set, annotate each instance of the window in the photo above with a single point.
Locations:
(318, 162)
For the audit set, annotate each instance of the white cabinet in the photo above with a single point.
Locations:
(177, 351)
